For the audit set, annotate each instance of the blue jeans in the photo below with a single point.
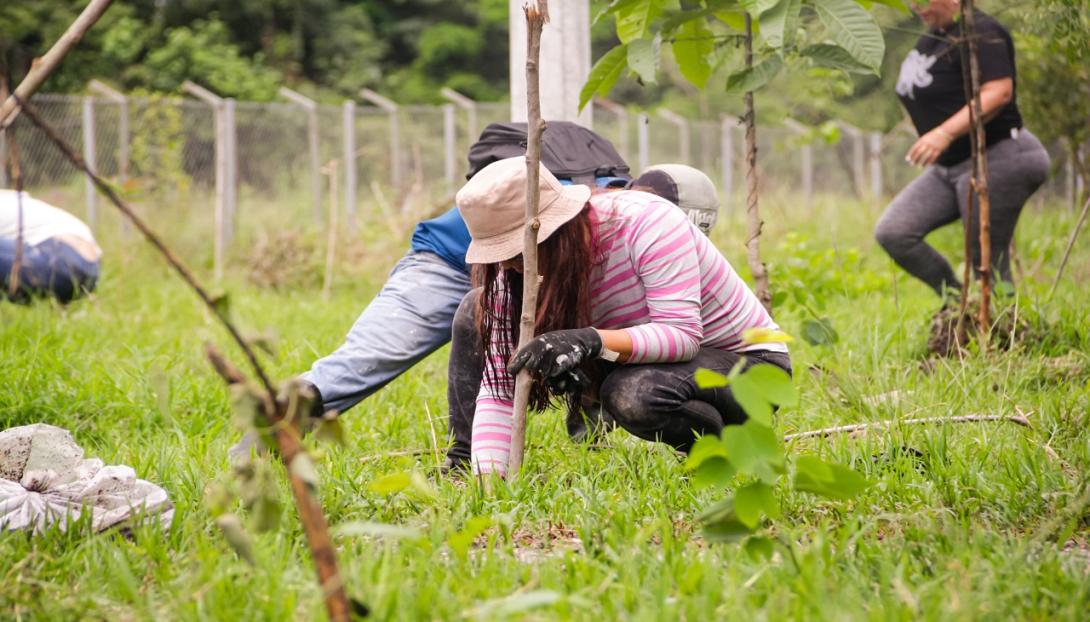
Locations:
(409, 319)
(50, 268)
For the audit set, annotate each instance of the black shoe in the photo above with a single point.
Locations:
(454, 466)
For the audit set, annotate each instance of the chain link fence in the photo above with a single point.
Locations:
(276, 161)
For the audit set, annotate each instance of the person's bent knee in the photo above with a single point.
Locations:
(465, 318)
(626, 394)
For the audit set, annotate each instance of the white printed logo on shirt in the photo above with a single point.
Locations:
(915, 73)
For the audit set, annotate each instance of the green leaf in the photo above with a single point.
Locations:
(780, 23)
(773, 383)
(303, 468)
(221, 303)
(756, 7)
(853, 29)
(376, 530)
(635, 16)
(721, 523)
(834, 56)
(518, 603)
(828, 479)
(755, 77)
(231, 527)
(900, 5)
(753, 500)
(706, 447)
(759, 548)
(754, 449)
(461, 540)
(643, 58)
(391, 483)
(265, 514)
(693, 47)
(819, 332)
(330, 431)
(749, 397)
(715, 471)
(604, 74)
(735, 19)
(708, 379)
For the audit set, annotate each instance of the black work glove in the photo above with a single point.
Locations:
(556, 358)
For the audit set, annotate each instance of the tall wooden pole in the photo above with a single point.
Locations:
(536, 16)
(979, 181)
(753, 214)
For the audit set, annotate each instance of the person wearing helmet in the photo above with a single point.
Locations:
(633, 301)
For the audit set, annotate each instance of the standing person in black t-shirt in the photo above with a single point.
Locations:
(932, 90)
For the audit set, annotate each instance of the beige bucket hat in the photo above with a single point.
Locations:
(493, 205)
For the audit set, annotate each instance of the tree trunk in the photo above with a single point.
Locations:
(536, 16)
(753, 215)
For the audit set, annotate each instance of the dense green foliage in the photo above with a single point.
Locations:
(972, 521)
(407, 48)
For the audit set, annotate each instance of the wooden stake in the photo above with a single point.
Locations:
(45, 65)
(753, 215)
(537, 13)
(979, 180)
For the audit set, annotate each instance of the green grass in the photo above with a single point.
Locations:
(584, 534)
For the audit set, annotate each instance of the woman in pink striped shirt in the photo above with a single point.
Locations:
(633, 301)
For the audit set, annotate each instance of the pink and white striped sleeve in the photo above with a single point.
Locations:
(664, 253)
(492, 420)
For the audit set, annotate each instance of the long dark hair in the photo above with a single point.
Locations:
(565, 261)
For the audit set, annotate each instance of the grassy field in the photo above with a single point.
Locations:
(968, 521)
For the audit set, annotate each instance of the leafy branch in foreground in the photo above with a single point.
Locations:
(751, 458)
(278, 419)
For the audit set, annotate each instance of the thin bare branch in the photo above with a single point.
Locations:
(1021, 420)
(753, 214)
(1070, 244)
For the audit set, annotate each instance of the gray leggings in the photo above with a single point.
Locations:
(1016, 168)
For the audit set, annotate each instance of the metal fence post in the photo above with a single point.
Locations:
(876, 164)
(395, 134)
(89, 158)
(467, 104)
(641, 140)
(448, 146)
(219, 217)
(682, 124)
(230, 185)
(311, 108)
(348, 129)
(726, 154)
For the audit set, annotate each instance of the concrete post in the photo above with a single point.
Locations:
(89, 158)
(219, 215)
(230, 185)
(348, 131)
(469, 106)
(311, 108)
(395, 133)
(726, 151)
(123, 134)
(448, 146)
(876, 164)
(565, 61)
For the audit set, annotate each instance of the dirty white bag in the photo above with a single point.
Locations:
(44, 480)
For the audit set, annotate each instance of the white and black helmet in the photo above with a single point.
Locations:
(686, 187)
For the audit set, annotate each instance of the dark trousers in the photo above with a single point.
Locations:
(51, 268)
(938, 197)
(656, 402)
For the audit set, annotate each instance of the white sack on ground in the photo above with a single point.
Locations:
(45, 480)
